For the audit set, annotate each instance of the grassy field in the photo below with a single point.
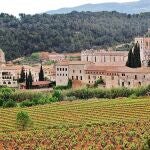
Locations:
(93, 124)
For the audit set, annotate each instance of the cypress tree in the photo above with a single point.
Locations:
(22, 76)
(41, 74)
(27, 81)
(30, 80)
(134, 59)
(136, 54)
(130, 61)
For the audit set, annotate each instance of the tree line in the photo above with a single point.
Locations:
(68, 32)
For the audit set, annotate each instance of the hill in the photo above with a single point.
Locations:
(128, 7)
(71, 32)
(80, 125)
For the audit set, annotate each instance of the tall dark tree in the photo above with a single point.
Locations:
(30, 80)
(27, 81)
(137, 57)
(130, 61)
(41, 74)
(22, 76)
(134, 58)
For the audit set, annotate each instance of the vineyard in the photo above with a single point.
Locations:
(92, 124)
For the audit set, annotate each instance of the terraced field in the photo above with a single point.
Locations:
(78, 113)
(88, 125)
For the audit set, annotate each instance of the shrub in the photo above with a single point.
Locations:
(9, 104)
(53, 99)
(23, 120)
(119, 92)
(141, 91)
(26, 103)
(100, 93)
(21, 96)
(57, 94)
(81, 93)
(6, 93)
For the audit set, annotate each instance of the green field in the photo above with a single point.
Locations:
(78, 113)
(89, 125)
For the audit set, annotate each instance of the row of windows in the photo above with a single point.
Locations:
(8, 82)
(129, 83)
(6, 77)
(61, 69)
(89, 77)
(74, 71)
(77, 78)
(102, 73)
(61, 74)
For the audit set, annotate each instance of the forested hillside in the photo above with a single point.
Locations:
(68, 32)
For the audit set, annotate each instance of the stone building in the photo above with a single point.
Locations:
(113, 76)
(103, 56)
(118, 76)
(73, 70)
(144, 48)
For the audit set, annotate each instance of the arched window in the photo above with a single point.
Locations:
(9, 82)
(4, 82)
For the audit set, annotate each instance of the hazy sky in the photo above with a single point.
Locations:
(37, 6)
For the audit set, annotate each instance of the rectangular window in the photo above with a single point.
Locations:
(81, 78)
(76, 77)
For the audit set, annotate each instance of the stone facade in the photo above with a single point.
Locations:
(7, 78)
(103, 56)
(116, 76)
(10, 73)
(113, 76)
(73, 70)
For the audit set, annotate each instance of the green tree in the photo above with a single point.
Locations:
(23, 120)
(57, 94)
(136, 55)
(130, 61)
(41, 74)
(30, 80)
(6, 93)
(22, 76)
(27, 81)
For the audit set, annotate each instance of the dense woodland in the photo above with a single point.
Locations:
(68, 32)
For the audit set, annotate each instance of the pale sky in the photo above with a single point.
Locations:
(38, 6)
